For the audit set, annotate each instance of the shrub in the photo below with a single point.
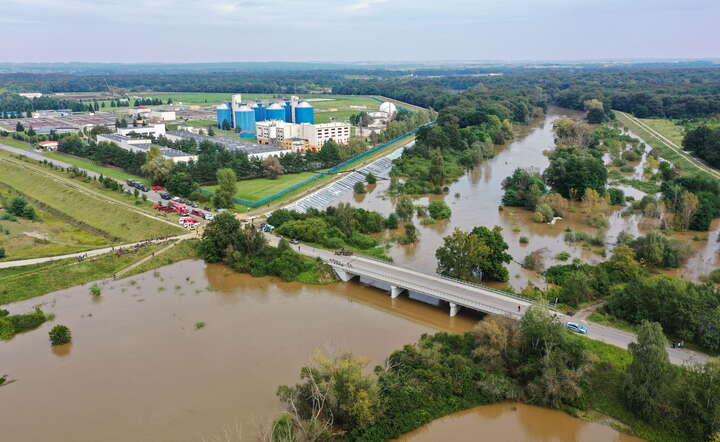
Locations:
(627, 169)
(359, 187)
(524, 240)
(199, 325)
(60, 335)
(7, 331)
(600, 222)
(362, 241)
(543, 213)
(439, 210)
(534, 261)
(630, 155)
(392, 221)
(370, 178)
(95, 290)
(617, 196)
(2, 253)
(427, 221)
(27, 321)
(562, 256)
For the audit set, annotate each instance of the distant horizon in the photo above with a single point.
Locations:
(400, 31)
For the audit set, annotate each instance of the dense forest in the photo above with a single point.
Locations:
(656, 90)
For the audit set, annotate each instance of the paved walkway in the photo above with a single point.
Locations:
(90, 253)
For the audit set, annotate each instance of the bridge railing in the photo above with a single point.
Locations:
(467, 283)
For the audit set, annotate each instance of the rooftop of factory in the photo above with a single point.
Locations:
(229, 143)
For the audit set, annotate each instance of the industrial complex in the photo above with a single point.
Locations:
(288, 123)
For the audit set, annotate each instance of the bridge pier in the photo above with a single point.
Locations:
(395, 291)
(454, 308)
(343, 274)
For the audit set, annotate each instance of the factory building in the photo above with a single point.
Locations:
(243, 117)
(151, 129)
(253, 150)
(277, 131)
(143, 145)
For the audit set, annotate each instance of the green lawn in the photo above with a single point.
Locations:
(259, 188)
(94, 167)
(20, 283)
(113, 220)
(15, 143)
(667, 128)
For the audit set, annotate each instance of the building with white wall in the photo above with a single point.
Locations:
(143, 145)
(162, 115)
(151, 129)
(277, 131)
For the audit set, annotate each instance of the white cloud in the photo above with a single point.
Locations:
(363, 5)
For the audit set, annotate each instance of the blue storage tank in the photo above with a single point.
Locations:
(288, 111)
(223, 113)
(304, 113)
(259, 111)
(245, 119)
(275, 112)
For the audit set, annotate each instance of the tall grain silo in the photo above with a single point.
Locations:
(288, 111)
(245, 119)
(223, 113)
(259, 111)
(304, 113)
(275, 111)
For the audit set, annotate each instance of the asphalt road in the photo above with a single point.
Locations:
(151, 195)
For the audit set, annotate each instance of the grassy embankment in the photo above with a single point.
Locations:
(19, 283)
(12, 142)
(115, 221)
(94, 167)
(179, 252)
(680, 159)
(49, 235)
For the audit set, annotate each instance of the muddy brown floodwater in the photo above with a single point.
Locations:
(139, 370)
(511, 422)
(476, 196)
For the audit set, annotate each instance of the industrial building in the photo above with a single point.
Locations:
(276, 132)
(244, 117)
(151, 129)
(253, 150)
(143, 145)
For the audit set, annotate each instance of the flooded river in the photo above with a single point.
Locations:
(476, 196)
(511, 422)
(139, 368)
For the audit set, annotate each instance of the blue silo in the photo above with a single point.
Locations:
(245, 119)
(224, 113)
(288, 111)
(259, 111)
(275, 112)
(304, 113)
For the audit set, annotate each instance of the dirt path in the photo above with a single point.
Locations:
(147, 258)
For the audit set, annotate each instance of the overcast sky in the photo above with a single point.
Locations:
(355, 30)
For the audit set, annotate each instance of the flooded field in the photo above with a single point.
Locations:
(510, 422)
(476, 196)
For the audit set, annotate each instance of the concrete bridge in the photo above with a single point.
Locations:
(458, 295)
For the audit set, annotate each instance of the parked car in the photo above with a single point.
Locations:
(158, 188)
(294, 241)
(577, 328)
(344, 252)
(142, 187)
(165, 195)
(131, 183)
(209, 216)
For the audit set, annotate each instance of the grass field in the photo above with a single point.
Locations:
(15, 143)
(667, 128)
(20, 283)
(94, 167)
(259, 188)
(180, 252)
(114, 220)
(686, 163)
(46, 236)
